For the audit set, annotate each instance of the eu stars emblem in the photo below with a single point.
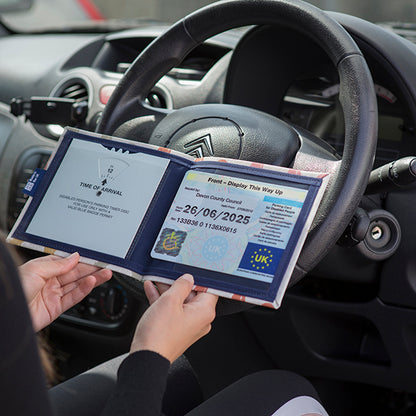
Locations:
(262, 259)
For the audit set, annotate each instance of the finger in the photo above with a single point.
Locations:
(77, 292)
(151, 291)
(190, 296)
(182, 287)
(208, 299)
(52, 266)
(43, 259)
(162, 287)
(81, 270)
(204, 305)
(102, 276)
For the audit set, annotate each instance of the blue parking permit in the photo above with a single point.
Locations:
(143, 211)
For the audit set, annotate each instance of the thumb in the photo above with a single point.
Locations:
(182, 287)
(58, 267)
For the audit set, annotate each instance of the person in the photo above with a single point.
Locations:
(177, 317)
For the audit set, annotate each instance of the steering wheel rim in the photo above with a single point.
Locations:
(357, 97)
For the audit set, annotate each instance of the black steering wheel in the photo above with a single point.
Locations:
(244, 133)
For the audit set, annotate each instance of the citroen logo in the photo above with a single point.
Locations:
(196, 147)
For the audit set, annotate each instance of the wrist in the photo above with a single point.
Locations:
(142, 347)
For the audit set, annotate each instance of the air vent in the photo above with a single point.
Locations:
(73, 89)
(76, 91)
(28, 162)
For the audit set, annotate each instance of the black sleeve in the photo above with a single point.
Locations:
(23, 385)
(141, 383)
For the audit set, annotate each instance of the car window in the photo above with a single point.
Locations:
(27, 15)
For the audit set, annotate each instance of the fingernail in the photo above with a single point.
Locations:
(73, 255)
(188, 277)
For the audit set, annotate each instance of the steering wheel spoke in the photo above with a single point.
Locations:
(315, 155)
(143, 121)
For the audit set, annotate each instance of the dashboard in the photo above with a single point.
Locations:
(313, 104)
(236, 67)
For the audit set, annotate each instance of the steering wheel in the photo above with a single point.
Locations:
(244, 133)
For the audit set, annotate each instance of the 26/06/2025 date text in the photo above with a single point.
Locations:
(214, 214)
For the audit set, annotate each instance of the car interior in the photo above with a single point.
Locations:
(344, 85)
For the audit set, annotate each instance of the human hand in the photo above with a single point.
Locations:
(54, 284)
(175, 320)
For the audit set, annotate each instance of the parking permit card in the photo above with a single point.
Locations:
(230, 225)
